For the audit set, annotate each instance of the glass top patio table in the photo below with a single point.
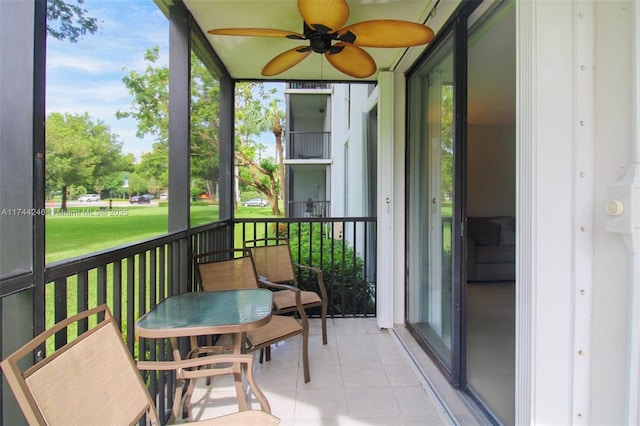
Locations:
(202, 313)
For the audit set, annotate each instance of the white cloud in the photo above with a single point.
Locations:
(83, 64)
(87, 76)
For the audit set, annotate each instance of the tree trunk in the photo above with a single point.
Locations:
(63, 206)
(283, 190)
(277, 132)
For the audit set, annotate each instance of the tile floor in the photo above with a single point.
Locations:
(361, 377)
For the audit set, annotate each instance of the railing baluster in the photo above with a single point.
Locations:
(162, 280)
(155, 270)
(129, 302)
(60, 309)
(82, 298)
(141, 286)
(365, 270)
(117, 291)
(153, 282)
(101, 285)
(354, 273)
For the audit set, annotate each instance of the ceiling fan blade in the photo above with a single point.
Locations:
(386, 33)
(331, 14)
(351, 60)
(257, 32)
(286, 60)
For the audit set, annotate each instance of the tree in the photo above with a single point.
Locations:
(69, 21)
(81, 152)
(271, 118)
(253, 170)
(150, 105)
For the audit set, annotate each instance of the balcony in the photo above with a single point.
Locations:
(309, 146)
(304, 85)
(309, 208)
(133, 279)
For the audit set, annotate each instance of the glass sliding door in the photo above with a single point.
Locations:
(491, 193)
(431, 193)
(461, 170)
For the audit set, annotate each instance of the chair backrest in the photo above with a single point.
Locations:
(220, 270)
(272, 258)
(90, 380)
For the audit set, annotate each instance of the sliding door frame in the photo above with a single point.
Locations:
(458, 28)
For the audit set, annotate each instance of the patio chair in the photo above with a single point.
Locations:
(273, 261)
(94, 380)
(234, 269)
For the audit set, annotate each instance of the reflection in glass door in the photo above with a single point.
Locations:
(431, 172)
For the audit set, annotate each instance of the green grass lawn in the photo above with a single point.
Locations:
(88, 230)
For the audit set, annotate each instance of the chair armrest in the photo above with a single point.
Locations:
(196, 362)
(298, 295)
(188, 369)
(277, 286)
(319, 276)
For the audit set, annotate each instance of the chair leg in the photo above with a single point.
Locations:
(305, 355)
(267, 353)
(261, 356)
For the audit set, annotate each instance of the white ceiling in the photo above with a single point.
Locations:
(244, 57)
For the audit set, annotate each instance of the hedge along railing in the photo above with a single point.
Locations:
(344, 248)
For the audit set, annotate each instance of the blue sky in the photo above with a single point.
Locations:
(87, 76)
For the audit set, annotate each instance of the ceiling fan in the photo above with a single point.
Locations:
(322, 26)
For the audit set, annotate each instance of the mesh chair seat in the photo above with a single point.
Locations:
(285, 299)
(273, 261)
(94, 380)
(279, 328)
(234, 269)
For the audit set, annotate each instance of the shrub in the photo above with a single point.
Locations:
(349, 293)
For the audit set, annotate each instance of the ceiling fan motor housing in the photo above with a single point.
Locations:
(319, 37)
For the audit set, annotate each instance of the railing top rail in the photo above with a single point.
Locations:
(306, 219)
(67, 267)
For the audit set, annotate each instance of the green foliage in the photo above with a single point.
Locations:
(82, 152)
(252, 118)
(69, 21)
(150, 106)
(348, 291)
(247, 195)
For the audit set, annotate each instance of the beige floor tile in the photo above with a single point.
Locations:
(320, 403)
(322, 376)
(324, 355)
(380, 402)
(365, 376)
(349, 326)
(360, 378)
(401, 375)
(414, 401)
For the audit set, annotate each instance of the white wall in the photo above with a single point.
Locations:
(614, 136)
(575, 138)
(545, 223)
(339, 138)
(309, 184)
